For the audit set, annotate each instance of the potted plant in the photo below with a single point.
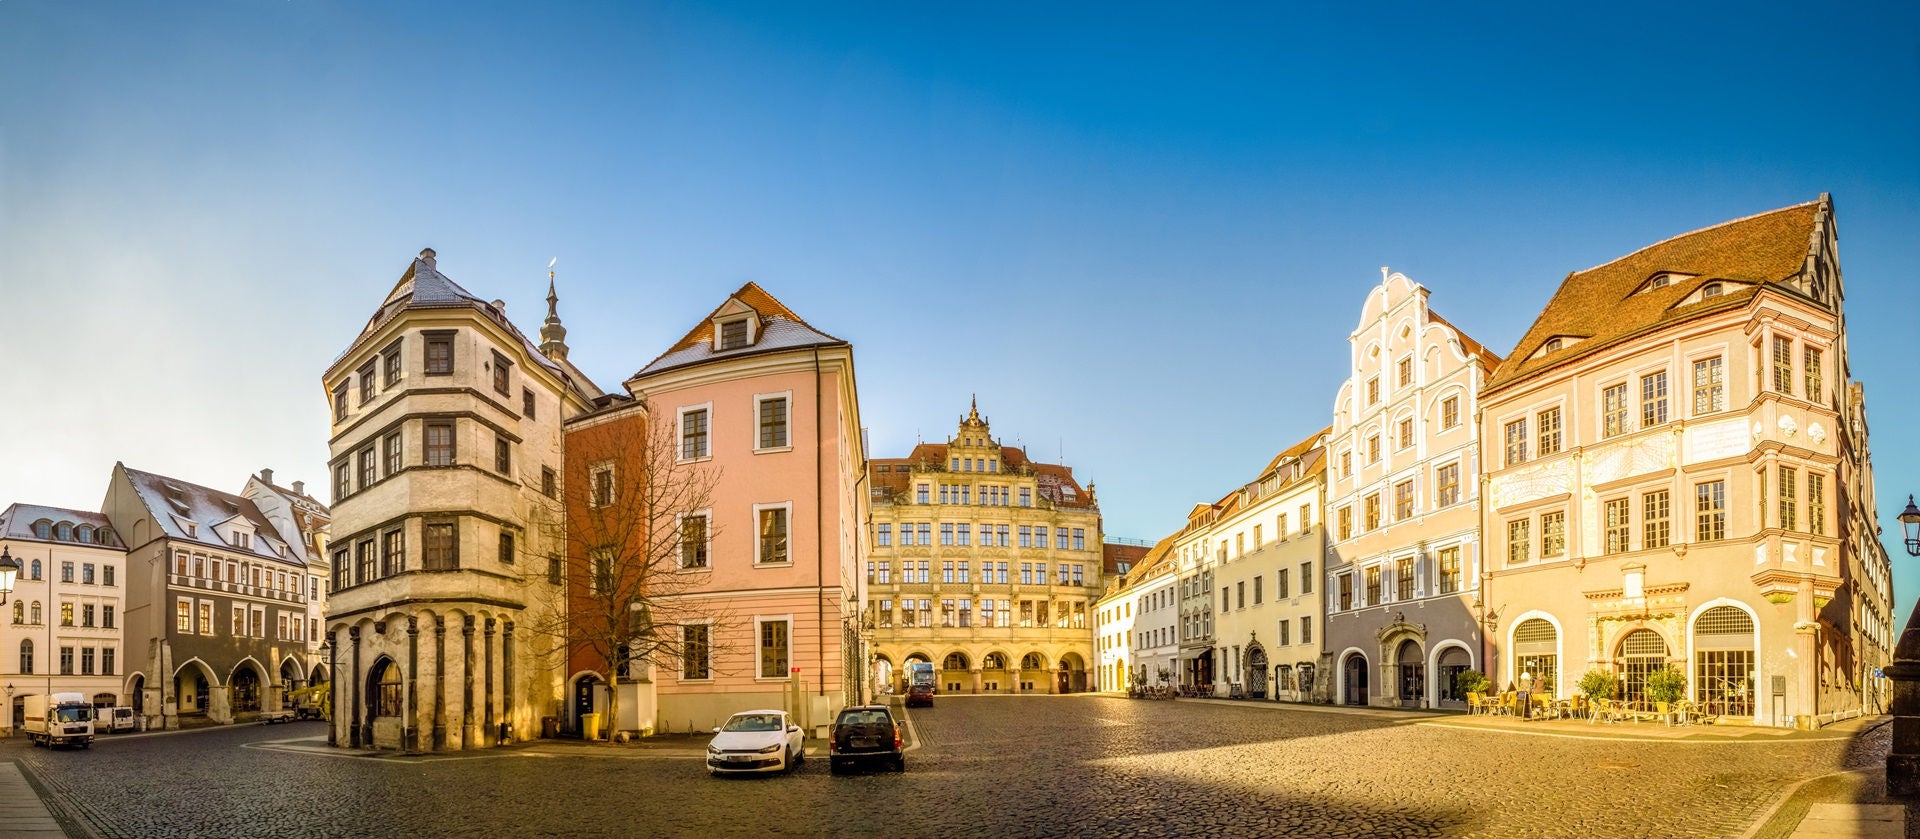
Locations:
(1471, 681)
(1597, 685)
(1664, 687)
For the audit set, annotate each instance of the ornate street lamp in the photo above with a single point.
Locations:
(1909, 521)
(9, 571)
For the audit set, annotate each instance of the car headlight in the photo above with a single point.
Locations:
(769, 750)
(712, 749)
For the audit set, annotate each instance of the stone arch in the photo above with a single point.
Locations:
(996, 659)
(1559, 677)
(1713, 677)
(1440, 673)
(1034, 660)
(383, 696)
(956, 660)
(247, 686)
(194, 687)
(1256, 669)
(135, 686)
(918, 656)
(586, 694)
(1350, 682)
(1635, 655)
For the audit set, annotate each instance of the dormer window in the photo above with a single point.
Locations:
(1553, 345)
(733, 334)
(1711, 290)
(1660, 281)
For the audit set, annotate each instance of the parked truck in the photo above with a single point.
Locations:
(67, 720)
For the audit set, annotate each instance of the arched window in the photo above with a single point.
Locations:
(386, 694)
(1723, 661)
(955, 661)
(19, 611)
(26, 656)
(1553, 345)
(36, 613)
(1641, 652)
(1536, 650)
(1033, 661)
(994, 661)
(35, 568)
(63, 531)
(1710, 291)
(43, 529)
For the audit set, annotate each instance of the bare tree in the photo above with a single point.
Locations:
(630, 524)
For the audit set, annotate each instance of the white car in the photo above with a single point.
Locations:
(756, 741)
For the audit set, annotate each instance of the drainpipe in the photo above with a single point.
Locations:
(819, 533)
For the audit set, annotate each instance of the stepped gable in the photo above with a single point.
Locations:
(1607, 303)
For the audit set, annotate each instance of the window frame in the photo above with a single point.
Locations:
(705, 437)
(759, 540)
(442, 338)
(785, 427)
(705, 515)
(759, 648)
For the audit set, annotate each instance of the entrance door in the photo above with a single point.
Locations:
(1356, 692)
(1257, 673)
(1413, 675)
(583, 691)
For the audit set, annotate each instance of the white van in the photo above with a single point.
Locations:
(117, 719)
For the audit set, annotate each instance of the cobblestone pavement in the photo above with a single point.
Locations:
(1004, 767)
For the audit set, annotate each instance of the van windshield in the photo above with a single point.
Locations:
(71, 715)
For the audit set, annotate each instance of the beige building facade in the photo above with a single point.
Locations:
(1269, 553)
(986, 564)
(65, 626)
(1682, 479)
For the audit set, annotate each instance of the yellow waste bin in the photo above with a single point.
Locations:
(590, 726)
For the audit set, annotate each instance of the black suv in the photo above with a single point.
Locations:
(865, 733)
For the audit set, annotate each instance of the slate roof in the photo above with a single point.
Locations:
(780, 329)
(165, 499)
(1606, 303)
(16, 522)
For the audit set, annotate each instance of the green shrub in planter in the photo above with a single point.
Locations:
(1667, 684)
(1598, 684)
(1471, 681)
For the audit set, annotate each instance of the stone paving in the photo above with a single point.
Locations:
(995, 766)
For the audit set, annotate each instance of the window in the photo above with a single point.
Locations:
(366, 383)
(773, 536)
(1373, 449)
(1653, 399)
(66, 571)
(773, 649)
(1346, 522)
(392, 364)
(1079, 539)
(1789, 480)
(1710, 511)
(19, 612)
(393, 552)
(1406, 433)
(1449, 574)
(206, 618)
(556, 570)
(363, 560)
(442, 550)
(549, 482)
(106, 662)
(966, 536)
(1026, 497)
(1654, 528)
(1373, 512)
(695, 645)
(1549, 420)
(1403, 579)
(1346, 464)
(1783, 365)
(500, 368)
(526, 403)
(1346, 591)
(693, 434)
(1404, 370)
(1710, 291)
(1517, 541)
(26, 656)
(502, 455)
(342, 479)
(1553, 533)
(1373, 586)
(439, 443)
(391, 449)
(367, 468)
(1449, 412)
(1709, 386)
(1447, 480)
(1306, 629)
(1619, 518)
(600, 478)
(921, 493)
(773, 422)
(1403, 500)
(1816, 388)
(106, 575)
(1373, 390)
(1256, 587)
(733, 334)
(66, 613)
(506, 548)
(342, 570)
(600, 571)
(1816, 504)
(1516, 442)
(340, 402)
(439, 353)
(66, 661)
(1613, 410)
(186, 625)
(1553, 345)
(1306, 578)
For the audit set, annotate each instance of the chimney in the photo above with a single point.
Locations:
(426, 255)
(266, 476)
(299, 487)
(500, 306)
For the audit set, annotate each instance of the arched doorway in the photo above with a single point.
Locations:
(1723, 664)
(955, 674)
(245, 694)
(192, 691)
(1453, 661)
(1257, 672)
(912, 659)
(1033, 668)
(994, 675)
(385, 693)
(1413, 674)
(137, 690)
(587, 690)
(882, 674)
(1536, 654)
(1641, 652)
(1355, 687)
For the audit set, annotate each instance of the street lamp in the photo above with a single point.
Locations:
(1909, 521)
(9, 571)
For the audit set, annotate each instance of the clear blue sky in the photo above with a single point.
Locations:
(1139, 233)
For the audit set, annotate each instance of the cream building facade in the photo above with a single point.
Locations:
(1269, 552)
(1685, 479)
(446, 451)
(986, 564)
(301, 521)
(65, 632)
(1404, 553)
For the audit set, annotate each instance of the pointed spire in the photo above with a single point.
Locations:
(973, 411)
(553, 336)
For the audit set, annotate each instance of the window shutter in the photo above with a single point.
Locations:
(1420, 574)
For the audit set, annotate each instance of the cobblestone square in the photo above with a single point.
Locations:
(1107, 767)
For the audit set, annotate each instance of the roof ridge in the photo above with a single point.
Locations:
(1638, 251)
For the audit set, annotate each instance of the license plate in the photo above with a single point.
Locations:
(739, 758)
(865, 742)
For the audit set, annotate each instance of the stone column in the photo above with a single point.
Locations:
(488, 732)
(366, 734)
(440, 683)
(506, 684)
(353, 635)
(468, 733)
(410, 730)
(333, 689)
(1803, 697)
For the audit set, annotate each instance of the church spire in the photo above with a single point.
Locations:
(553, 336)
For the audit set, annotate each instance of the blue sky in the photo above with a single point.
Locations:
(1140, 233)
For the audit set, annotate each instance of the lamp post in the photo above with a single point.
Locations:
(1903, 759)
(9, 572)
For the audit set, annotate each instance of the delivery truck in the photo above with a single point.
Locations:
(66, 721)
